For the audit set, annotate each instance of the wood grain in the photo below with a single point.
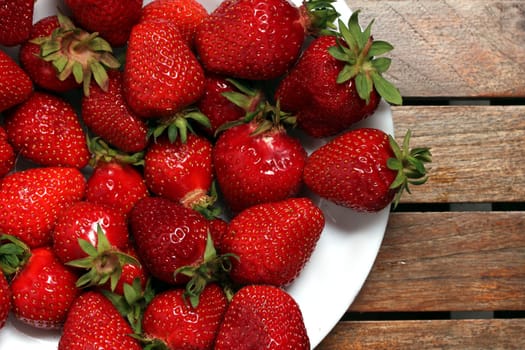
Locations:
(451, 48)
(450, 261)
(492, 334)
(478, 152)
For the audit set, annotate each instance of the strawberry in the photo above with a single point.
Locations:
(16, 19)
(171, 320)
(31, 200)
(15, 84)
(59, 52)
(94, 323)
(364, 169)
(338, 81)
(262, 317)
(43, 73)
(273, 241)
(107, 115)
(257, 39)
(81, 221)
(43, 290)
(112, 19)
(132, 272)
(161, 75)
(180, 171)
(46, 130)
(256, 163)
(186, 15)
(7, 154)
(168, 236)
(5, 299)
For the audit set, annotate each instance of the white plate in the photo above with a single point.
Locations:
(336, 271)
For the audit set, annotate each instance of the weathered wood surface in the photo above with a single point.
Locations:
(448, 261)
(493, 334)
(478, 152)
(450, 48)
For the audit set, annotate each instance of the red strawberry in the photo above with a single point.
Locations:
(107, 115)
(131, 272)
(114, 180)
(255, 166)
(43, 290)
(262, 317)
(46, 130)
(170, 319)
(15, 84)
(82, 220)
(5, 299)
(94, 323)
(186, 15)
(16, 19)
(256, 39)
(161, 75)
(168, 236)
(112, 19)
(180, 171)
(7, 154)
(59, 51)
(273, 241)
(337, 81)
(31, 200)
(364, 169)
(218, 228)
(43, 73)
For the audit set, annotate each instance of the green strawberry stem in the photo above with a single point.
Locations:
(103, 262)
(409, 164)
(359, 51)
(214, 268)
(14, 254)
(321, 15)
(179, 124)
(101, 151)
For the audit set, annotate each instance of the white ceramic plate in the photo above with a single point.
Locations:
(336, 271)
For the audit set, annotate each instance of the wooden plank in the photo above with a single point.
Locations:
(451, 48)
(449, 261)
(491, 334)
(478, 151)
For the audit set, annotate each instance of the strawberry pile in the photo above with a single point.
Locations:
(153, 190)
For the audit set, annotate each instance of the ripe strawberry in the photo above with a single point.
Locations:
(168, 236)
(217, 105)
(31, 200)
(262, 317)
(257, 163)
(107, 115)
(81, 221)
(171, 320)
(273, 241)
(114, 180)
(15, 84)
(218, 228)
(94, 323)
(257, 39)
(161, 75)
(186, 15)
(364, 169)
(7, 154)
(46, 130)
(131, 273)
(59, 52)
(5, 299)
(337, 81)
(180, 171)
(43, 290)
(43, 73)
(113, 19)
(16, 19)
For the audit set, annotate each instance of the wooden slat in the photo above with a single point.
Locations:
(492, 334)
(451, 48)
(478, 151)
(450, 261)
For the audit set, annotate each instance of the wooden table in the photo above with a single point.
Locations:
(451, 270)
